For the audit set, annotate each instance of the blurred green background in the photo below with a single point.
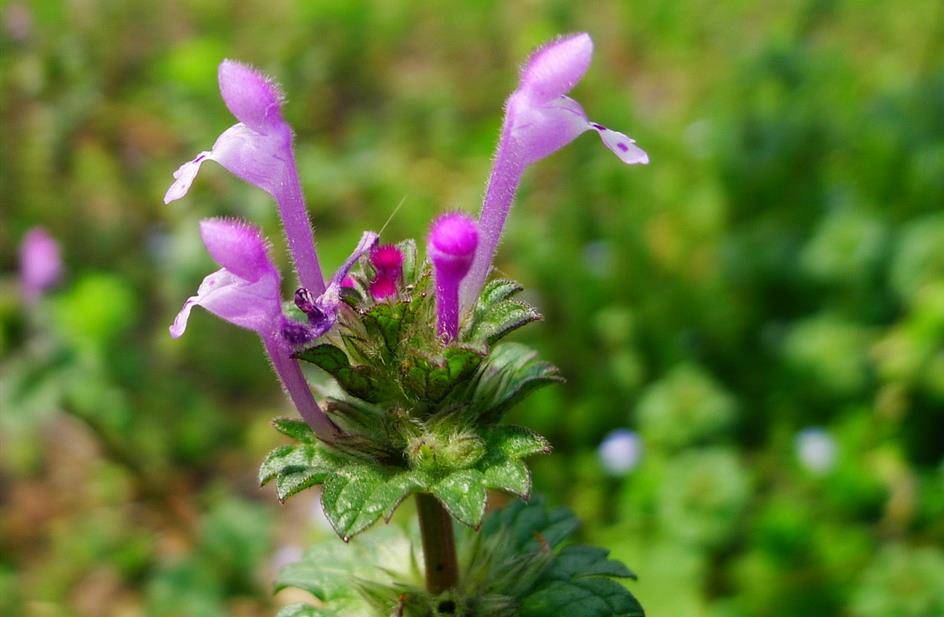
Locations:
(778, 266)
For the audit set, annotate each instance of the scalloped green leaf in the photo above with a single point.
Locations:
(510, 475)
(275, 461)
(464, 495)
(295, 428)
(360, 493)
(516, 441)
(510, 373)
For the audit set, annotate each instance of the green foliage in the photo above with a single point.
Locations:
(517, 565)
(358, 490)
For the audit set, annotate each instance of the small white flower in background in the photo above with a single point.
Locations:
(816, 450)
(620, 451)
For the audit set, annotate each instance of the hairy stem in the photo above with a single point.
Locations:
(439, 544)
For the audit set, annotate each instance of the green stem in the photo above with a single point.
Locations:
(439, 544)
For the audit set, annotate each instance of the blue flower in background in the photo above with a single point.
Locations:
(620, 451)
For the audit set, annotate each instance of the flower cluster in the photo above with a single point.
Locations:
(246, 291)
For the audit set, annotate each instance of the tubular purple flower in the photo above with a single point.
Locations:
(452, 241)
(245, 291)
(258, 149)
(40, 263)
(539, 120)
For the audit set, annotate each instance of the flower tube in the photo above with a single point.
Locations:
(539, 120)
(258, 149)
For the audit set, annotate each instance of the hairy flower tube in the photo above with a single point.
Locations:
(258, 149)
(40, 263)
(245, 291)
(539, 120)
(451, 246)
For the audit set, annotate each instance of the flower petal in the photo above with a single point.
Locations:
(555, 68)
(622, 145)
(184, 176)
(254, 305)
(254, 98)
(541, 130)
(238, 246)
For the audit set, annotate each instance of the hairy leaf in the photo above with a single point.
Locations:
(510, 373)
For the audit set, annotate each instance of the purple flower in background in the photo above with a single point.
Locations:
(539, 120)
(388, 261)
(453, 239)
(40, 263)
(258, 149)
(245, 291)
(620, 451)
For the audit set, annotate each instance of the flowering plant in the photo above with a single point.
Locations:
(425, 378)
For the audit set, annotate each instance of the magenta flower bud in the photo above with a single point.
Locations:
(451, 246)
(40, 263)
(388, 261)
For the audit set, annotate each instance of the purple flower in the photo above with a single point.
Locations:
(258, 149)
(40, 263)
(453, 239)
(245, 291)
(539, 120)
(323, 311)
(388, 262)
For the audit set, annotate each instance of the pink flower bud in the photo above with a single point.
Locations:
(388, 261)
(452, 241)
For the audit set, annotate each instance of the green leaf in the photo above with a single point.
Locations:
(515, 441)
(274, 462)
(509, 374)
(505, 445)
(510, 475)
(360, 493)
(295, 428)
(501, 319)
(464, 495)
(364, 381)
(580, 560)
(525, 522)
(325, 356)
(430, 379)
(497, 290)
(383, 322)
(581, 597)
